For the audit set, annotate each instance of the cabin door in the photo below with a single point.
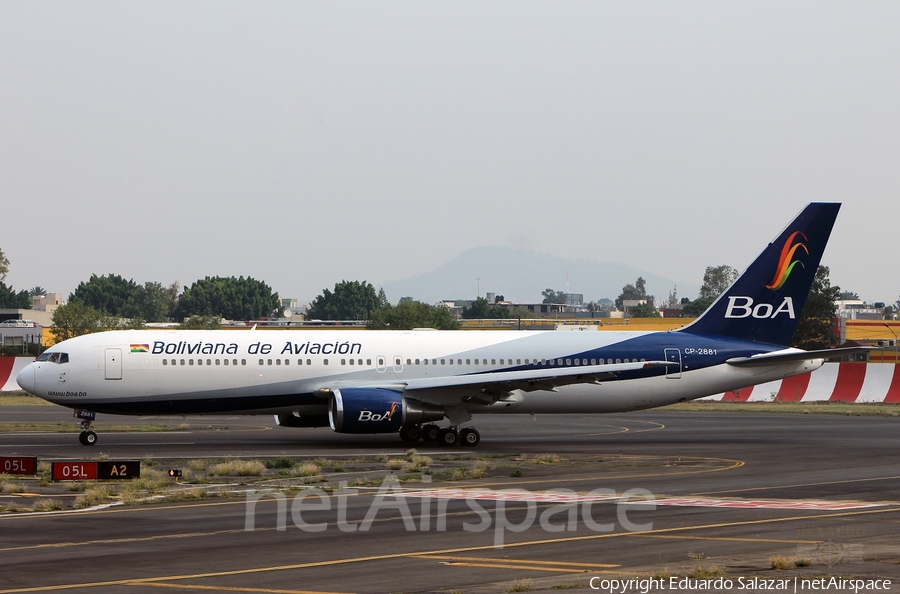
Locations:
(673, 356)
(113, 364)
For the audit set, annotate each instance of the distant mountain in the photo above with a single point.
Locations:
(521, 275)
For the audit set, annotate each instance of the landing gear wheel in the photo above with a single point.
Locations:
(469, 437)
(87, 436)
(410, 434)
(430, 432)
(448, 437)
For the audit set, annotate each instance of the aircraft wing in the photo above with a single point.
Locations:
(533, 379)
(491, 386)
(790, 355)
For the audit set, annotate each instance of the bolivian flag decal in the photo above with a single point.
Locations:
(140, 348)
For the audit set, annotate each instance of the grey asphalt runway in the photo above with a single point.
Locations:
(731, 491)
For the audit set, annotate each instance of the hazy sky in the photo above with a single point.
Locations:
(302, 143)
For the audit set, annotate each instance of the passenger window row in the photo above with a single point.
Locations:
(398, 362)
(209, 362)
(299, 362)
(64, 358)
(544, 362)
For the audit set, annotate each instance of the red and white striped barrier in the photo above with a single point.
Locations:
(834, 382)
(9, 369)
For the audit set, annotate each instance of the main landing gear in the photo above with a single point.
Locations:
(448, 436)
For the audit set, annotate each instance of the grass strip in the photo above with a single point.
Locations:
(835, 408)
(22, 398)
(17, 427)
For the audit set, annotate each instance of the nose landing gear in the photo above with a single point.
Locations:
(87, 436)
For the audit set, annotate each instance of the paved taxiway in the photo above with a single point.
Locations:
(760, 484)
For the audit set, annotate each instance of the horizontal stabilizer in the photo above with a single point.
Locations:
(790, 355)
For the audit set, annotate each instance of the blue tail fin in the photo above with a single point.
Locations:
(765, 302)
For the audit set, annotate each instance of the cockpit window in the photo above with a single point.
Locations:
(54, 357)
(44, 356)
(63, 358)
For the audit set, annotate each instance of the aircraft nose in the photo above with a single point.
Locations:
(25, 379)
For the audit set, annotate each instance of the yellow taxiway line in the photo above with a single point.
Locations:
(525, 564)
(226, 588)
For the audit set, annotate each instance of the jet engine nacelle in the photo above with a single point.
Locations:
(376, 410)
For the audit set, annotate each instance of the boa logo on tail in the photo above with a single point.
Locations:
(740, 306)
(786, 262)
(743, 307)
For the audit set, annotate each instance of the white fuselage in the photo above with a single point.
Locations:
(264, 372)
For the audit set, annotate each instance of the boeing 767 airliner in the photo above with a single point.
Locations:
(408, 381)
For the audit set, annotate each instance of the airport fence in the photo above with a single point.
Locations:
(833, 382)
(9, 369)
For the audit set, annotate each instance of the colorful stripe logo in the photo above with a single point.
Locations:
(140, 348)
(394, 407)
(786, 262)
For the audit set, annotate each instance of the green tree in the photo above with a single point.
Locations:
(75, 319)
(407, 315)
(4, 266)
(172, 292)
(37, 291)
(201, 323)
(849, 296)
(10, 299)
(519, 313)
(695, 308)
(228, 297)
(634, 292)
(481, 309)
(551, 296)
(716, 279)
(477, 310)
(108, 293)
(350, 300)
(643, 310)
(443, 319)
(151, 302)
(672, 300)
(814, 330)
